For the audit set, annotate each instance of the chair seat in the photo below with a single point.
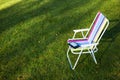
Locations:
(78, 43)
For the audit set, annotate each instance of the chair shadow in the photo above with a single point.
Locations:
(110, 35)
(113, 32)
(114, 20)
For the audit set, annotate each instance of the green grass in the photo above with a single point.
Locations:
(33, 35)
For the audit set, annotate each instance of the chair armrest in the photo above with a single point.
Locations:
(80, 30)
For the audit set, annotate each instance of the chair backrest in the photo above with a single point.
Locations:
(98, 28)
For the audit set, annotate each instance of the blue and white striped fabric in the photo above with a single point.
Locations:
(96, 28)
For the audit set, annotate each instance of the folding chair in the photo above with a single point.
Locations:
(89, 41)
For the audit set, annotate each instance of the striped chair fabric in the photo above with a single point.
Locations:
(95, 31)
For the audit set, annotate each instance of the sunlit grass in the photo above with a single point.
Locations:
(7, 3)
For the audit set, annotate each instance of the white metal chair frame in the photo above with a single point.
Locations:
(88, 48)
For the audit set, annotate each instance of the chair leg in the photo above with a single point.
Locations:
(73, 67)
(69, 57)
(92, 53)
(77, 60)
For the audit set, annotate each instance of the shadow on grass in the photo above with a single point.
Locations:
(19, 13)
(111, 35)
(113, 32)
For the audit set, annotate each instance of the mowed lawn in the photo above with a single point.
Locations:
(34, 33)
